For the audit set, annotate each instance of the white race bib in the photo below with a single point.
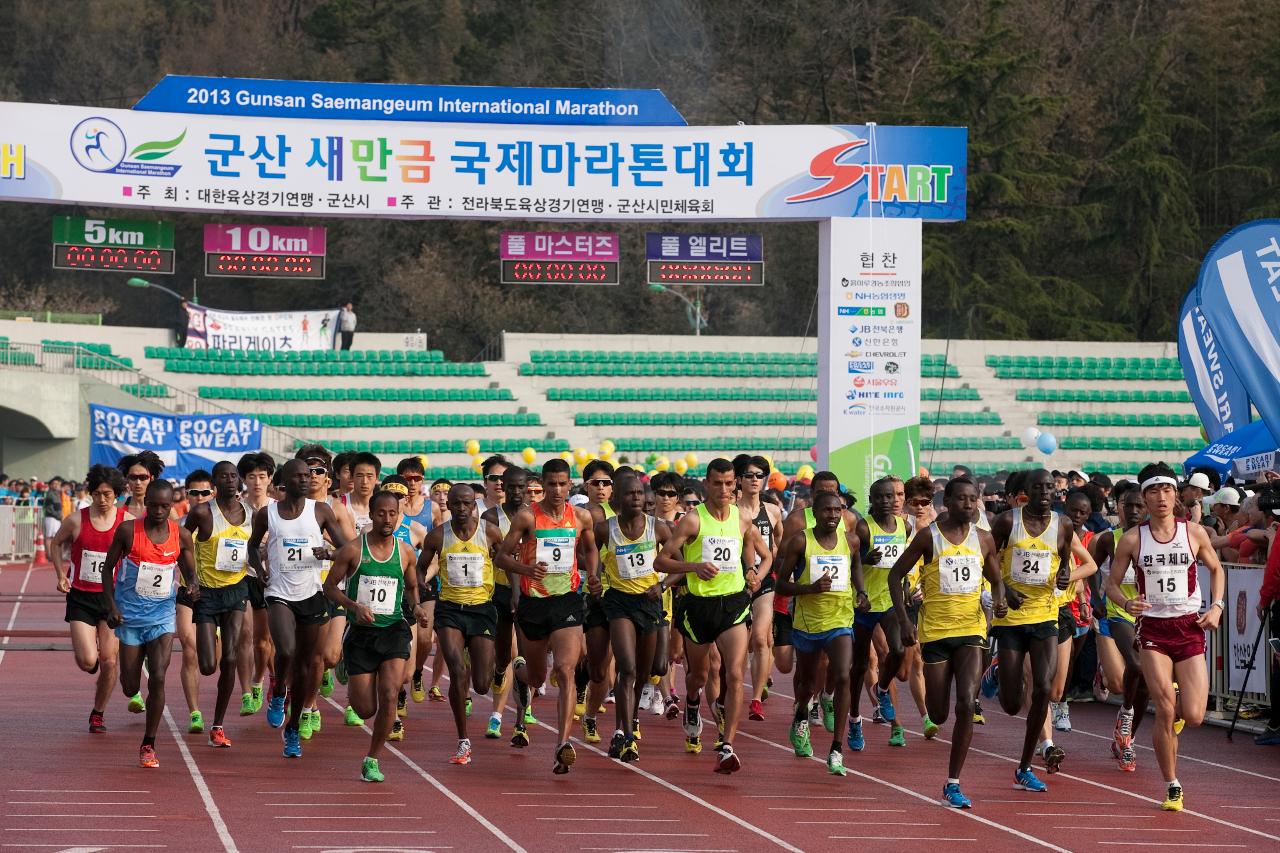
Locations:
(1030, 568)
(378, 593)
(635, 560)
(889, 552)
(1166, 586)
(155, 580)
(91, 563)
(724, 551)
(835, 565)
(959, 574)
(557, 552)
(465, 570)
(298, 556)
(231, 555)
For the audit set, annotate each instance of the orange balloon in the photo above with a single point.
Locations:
(778, 480)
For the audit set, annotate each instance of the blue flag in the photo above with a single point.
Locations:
(1239, 294)
(1221, 401)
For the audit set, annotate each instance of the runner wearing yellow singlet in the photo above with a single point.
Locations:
(515, 484)
(592, 677)
(956, 557)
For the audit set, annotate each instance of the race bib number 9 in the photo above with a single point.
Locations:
(378, 593)
(959, 574)
(557, 553)
(635, 560)
(1031, 567)
(1167, 585)
(230, 556)
(724, 552)
(155, 580)
(835, 565)
(91, 563)
(465, 570)
(298, 556)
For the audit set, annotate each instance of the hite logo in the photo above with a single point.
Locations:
(99, 145)
(892, 182)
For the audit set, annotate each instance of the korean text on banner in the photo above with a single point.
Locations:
(209, 328)
(1240, 622)
(1220, 399)
(869, 369)
(184, 443)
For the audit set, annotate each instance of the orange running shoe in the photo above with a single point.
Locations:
(147, 757)
(218, 738)
(463, 755)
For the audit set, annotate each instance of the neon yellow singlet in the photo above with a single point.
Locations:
(891, 546)
(952, 586)
(718, 542)
(1029, 564)
(221, 560)
(466, 568)
(822, 612)
(628, 563)
(1128, 584)
(504, 524)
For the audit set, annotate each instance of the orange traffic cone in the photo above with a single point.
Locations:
(40, 558)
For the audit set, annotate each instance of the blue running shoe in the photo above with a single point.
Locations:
(292, 743)
(991, 681)
(1025, 780)
(886, 705)
(951, 796)
(275, 712)
(1269, 737)
(855, 739)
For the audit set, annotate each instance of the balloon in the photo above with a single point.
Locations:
(1046, 443)
(426, 465)
(813, 453)
(477, 461)
(472, 446)
(681, 466)
(650, 459)
(1204, 436)
(653, 472)
(1029, 436)
(528, 455)
(662, 463)
(691, 459)
(566, 456)
(768, 458)
(580, 456)
(606, 448)
(778, 481)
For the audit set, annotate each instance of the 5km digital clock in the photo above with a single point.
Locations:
(559, 272)
(255, 265)
(79, 257)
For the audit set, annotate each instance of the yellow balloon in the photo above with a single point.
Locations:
(566, 456)
(528, 455)
(473, 447)
(662, 463)
(606, 448)
(769, 459)
(580, 455)
(653, 473)
(691, 460)
(681, 466)
(426, 465)
(477, 461)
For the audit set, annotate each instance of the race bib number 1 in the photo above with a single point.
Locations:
(155, 580)
(959, 574)
(1031, 567)
(378, 593)
(91, 563)
(465, 570)
(724, 552)
(835, 565)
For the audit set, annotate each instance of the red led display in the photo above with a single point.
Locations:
(559, 272)
(71, 257)
(706, 272)
(257, 265)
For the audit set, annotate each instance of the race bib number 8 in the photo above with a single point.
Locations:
(557, 553)
(465, 570)
(635, 560)
(1166, 585)
(230, 556)
(91, 563)
(1031, 567)
(835, 565)
(378, 593)
(298, 556)
(724, 552)
(155, 580)
(959, 574)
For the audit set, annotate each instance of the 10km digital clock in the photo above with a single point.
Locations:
(251, 264)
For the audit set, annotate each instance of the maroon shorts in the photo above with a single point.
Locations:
(1179, 637)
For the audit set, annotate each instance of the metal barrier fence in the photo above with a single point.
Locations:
(1229, 648)
(18, 531)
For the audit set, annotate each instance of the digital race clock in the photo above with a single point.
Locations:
(262, 265)
(559, 272)
(80, 257)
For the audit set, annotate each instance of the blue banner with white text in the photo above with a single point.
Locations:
(1221, 401)
(185, 443)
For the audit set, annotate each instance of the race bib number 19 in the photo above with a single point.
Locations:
(959, 574)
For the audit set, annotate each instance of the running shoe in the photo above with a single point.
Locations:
(304, 725)
(1123, 733)
(257, 697)
(991, 681)
(1172, 799)
(275, 712)
(529, 718)
(1061, 716)
(854, 739)
(1268, 737)
(952, 797)
(659, 706)
(565, 758)
(829, 712)
(978, 718)
(519, 737)
(494, 729)
(930, 728)
(435, 694)
(326, 684)
(1178, 725)
(351, 718)
(136, 704)
(419, 690)
(580, 704)
(96, 724)
(815, 713)
(468, 707)
(1053, 756)
(630, 752)
(835, 763)
(590, 732)
(218, 738)
(315, 721)
(635, 730)
(692, 723)
(673, 707)
(764, 694)
(369, 771)
(616, 744)
(756, 710)
(692, 744)
(521, 688)
(609, 699)
(1100, 691)
(1025, 780)
(147, 757)
(246, 705)
(646, 697)
(1128, 759)
(897, 737)
(292, 744)
(463, 755)
(727, 760)
(397, 730)
(799, 737)
(340, 671)
(402, 703)
(196, 725)
(885, 702)
(877, 717)
(718, 708)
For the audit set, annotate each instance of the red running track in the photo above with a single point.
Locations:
(66, 789)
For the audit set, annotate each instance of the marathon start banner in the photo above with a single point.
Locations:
(209, 328)
(185, 443)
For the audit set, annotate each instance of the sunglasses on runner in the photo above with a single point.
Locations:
(139, 478)
(318, 471)
(199, 493)
(601, 483)
(493, 478)
(411, 478)
(920, 502)
(666, 493)
(757, 475)
(692, 502)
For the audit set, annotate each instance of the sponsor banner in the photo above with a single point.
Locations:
(258, 165)
(869, 366)
(312, 99)
(209, 328)
(1220, 399)
(1240, 622)
(1245, 452)
(185, 443)
(558, 246)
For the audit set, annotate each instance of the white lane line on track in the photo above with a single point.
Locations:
(894, 838)
(361, 832)
(72, 829)
(933, 800)
(677, 834)
(77, 791)
(206, 797)
(333, 793)
(327, 805)
(802, 797)
(1171, 844)
(560, 819)
(112, 815)
(13, 616)
(63, 846)
(344, 817)
(439, 786)
(574, 806)
(1087, 814)
(558, 795)
(1126, 829)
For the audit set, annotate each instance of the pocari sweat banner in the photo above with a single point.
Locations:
(1221, 400)
(185, 443)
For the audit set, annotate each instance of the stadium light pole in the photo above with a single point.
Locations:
(698, 319)
(143, 283)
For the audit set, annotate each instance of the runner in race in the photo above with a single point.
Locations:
(417, 507)
(514, 489)
(631, 597)
(89, 533)
(143, 604)
(465, 618)
(379, 568)
(597, 484)
(429, 592)
(295, 528)
(666, 508)
(712, 545)
(752, 472)
(1073, 618)
(546, 545)
(256, 654)
(198, 487)
(220, 530)
(957, 556)
(820, 568)
(1164, 552)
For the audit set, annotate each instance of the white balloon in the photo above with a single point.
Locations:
(1029, 436)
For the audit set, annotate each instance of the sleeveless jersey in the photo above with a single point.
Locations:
(147, 582)
(404, 532)
(1167, 573)
(556, 544)
(504, 525)
(424, 515)
(718, 542)
(628, 563)
(362, 521)
(952, 587)
(89, 552)
(765, 526)
(1128, 584)
(1029, 564)
(379, 584)
(891, 546)
(466, 567)
(827, 611)
(1068, 598)
(295, 571)
(222, 559)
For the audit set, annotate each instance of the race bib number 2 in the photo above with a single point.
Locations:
(155, 580)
